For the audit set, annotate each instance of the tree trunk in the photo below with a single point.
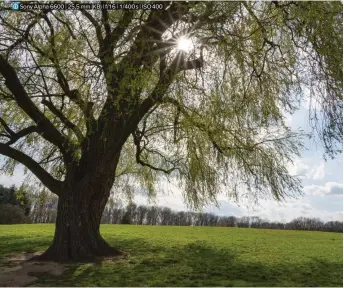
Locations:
(80, 207)
(77, 236)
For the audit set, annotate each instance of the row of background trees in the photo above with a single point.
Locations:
(21, 206)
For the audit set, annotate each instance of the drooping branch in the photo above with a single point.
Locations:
(205, 129)
(72, 94)
(64, 120)
(260, 24)
(223, 149)
(48, 130)
(50, 182)
(166, 79)
(139, 149)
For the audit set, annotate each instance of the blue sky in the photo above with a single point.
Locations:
(322, 181)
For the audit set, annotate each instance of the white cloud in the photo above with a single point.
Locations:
(169, 195)
(282, 211)
(299, 168)
(330, 188)
(337, 216)
(318, 173)
(287, 211)
(17, 178)
(172, 201)
(307, 169)
(226, 208)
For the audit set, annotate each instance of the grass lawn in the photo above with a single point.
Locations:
(194, 256)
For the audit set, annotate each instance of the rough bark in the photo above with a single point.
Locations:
(77, 236)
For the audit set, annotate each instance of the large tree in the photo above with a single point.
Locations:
(90, 99)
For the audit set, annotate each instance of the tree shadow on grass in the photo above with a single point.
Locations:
(193, 264)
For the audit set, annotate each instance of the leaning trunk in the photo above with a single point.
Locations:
(77, 236)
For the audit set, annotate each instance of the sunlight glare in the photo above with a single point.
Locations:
(184, 44)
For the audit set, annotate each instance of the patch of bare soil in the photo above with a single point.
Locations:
(16, 271)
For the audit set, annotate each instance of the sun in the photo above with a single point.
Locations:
(184, 44)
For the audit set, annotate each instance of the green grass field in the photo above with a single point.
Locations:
(194, 256)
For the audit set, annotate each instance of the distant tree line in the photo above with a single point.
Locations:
(14, 205)
(42, 208)
(153, 215)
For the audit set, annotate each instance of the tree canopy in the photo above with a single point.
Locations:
(78, 86)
